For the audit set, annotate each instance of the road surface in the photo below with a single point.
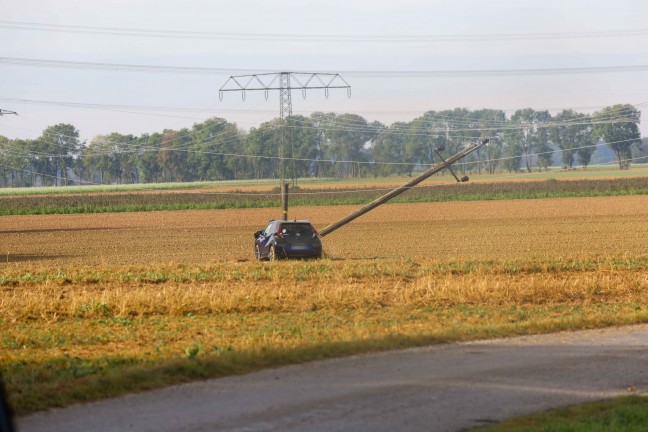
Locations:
(439, 388)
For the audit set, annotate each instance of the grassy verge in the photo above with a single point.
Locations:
(152, 201)
(625, 414)
(73, 335)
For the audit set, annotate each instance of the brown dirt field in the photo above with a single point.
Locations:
(550, 228)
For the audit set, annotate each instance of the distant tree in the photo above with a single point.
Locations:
(146, 159)
(5, 162)
(304, 147)
(20, 171)
(572, 132)
(526, 134)
(541, 139)
(389, 147)
(211, 150)
(98, 158)
(490, 124)
(640, 151)
(343, 138)
(261, 143)
(618, 126)
(57, 148)
(172, 162)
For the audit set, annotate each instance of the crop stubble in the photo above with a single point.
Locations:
(144, 326)
(600, 226)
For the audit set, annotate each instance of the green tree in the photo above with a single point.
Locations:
(618, 126)
(490, 124)
(261, 143)
(389, 147)
(521, 139)
(147, 148)
(342, 140)
(212, 147)
(304, 146)
(570, 132)
(59, 146)
(171, 160)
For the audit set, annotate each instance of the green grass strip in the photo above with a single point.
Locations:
(169, 201)
(623, 414)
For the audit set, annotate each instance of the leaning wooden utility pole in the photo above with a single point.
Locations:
(407, 186)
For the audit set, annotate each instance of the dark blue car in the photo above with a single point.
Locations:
(287, 239)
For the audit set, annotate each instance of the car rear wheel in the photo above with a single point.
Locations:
(272, 253)
(257, 253)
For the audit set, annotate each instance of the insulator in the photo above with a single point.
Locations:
(265, 93)
(220, 95)
(304, 93)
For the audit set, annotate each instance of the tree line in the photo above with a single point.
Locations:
(322, 145)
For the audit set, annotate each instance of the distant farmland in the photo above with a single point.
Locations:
(312, 195)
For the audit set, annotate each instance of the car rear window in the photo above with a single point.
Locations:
(291, 229)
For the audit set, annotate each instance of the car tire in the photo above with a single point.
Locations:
(272, 253)
(257, 253)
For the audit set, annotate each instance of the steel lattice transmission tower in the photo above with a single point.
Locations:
(285, 83)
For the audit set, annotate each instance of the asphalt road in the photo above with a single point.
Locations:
(439, 388)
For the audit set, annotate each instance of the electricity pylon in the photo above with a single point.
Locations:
(285, 82)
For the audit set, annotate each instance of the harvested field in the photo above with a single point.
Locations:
(97, 305)
(600, 226)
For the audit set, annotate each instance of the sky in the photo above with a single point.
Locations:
(360, 39)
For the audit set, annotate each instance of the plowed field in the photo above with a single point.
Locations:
(461, 230)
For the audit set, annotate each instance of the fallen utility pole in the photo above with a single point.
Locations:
(407, 186)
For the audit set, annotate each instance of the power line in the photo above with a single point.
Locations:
(335, 125)
(333, 161)
(135, 109)
(333, 192)
(139, 148)
(449, 123)
(333, 38)
(123, 67)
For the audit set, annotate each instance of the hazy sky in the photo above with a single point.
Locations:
(387, 99)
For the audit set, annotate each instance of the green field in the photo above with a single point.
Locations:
(626, 414)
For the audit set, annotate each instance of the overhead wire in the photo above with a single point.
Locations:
(428, 117)
(344, 161)
(410, 130)
(138, 148)
(333, 192)
(125, 67)
(297, 37)
(341, 124)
